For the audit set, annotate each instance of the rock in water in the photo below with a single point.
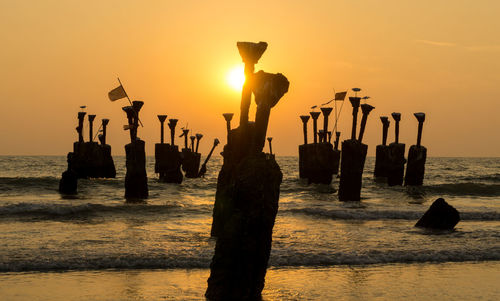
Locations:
(69, 180)
(440, 216)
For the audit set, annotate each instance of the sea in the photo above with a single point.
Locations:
(96, 246)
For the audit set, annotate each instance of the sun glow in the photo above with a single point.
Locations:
(236, 78)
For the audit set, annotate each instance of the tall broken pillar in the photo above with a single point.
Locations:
(136, 179)
(416, 157)
(382, 152)
(353, 156)
(247, 193)
(396, 166)
(168, 158)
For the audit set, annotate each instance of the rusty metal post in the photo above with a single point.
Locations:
(228, 117)
(365, 109)
(198, 138)
(385, 128)
(315, 116)
(162, 121)
(91, 127)
(304, 119)
(79, 129)
(355, 107)
(171, 124)
(269, 139)
(397, 118)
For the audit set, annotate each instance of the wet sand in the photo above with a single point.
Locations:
(422, 281)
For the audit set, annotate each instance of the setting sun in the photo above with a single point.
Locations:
(236, 78)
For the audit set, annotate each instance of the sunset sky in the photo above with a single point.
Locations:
(437, 57)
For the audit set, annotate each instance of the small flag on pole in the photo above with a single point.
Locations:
(340, 95)
(117, 93)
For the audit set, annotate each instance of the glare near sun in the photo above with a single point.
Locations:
(236, 78)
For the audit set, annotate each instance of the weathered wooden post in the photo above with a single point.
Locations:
(136, 180)
(382, 152)
(168, 158)
(416, 157)
(303, 154)
(353, 159)
(246, 202)
(396, 167)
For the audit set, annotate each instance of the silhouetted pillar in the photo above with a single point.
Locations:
(315, 116)
(337, 139)
(192, 138)
(396, 156)
(250, 54)
(228, 117)
(304, 119)
(352, 162)
(104, 126)
(246, 203)
(198, 138)
(365, 109)
(326, 112)
(136, 180)
(168, 158)
(79, 129)
(107, 165)
(269, 139)
(162, 118)
(91, 127)
(69, 179)
(382, 151)
(417, 156)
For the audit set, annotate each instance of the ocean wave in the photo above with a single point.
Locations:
(67, 210)
(279, 258)
(371, 214)
(465, 188)
(28, 183)
(486, 178)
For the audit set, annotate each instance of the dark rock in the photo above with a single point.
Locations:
(136, 180)
(351, 170)
(440, 215)
(416, 165)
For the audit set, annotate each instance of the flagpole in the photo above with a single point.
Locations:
(136, 115)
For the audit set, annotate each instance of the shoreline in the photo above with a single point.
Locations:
(413, 281)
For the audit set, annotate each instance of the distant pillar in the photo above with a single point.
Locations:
(353, 161)
(79, 129)
(228, 117)
(136, 180)
(315, 116)
(198, 138)
(91, 127)
(168, 158)
(416, 157)
(326, 112)
(397, 159)
(162, 119)
(382, 152)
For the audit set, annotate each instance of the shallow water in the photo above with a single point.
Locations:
(97, 230)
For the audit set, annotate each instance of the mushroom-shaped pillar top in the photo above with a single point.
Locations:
(228, 116)
(396, 116)
(251, 52)
(192, 137)
(129, 110)
(162, 118)
(304, 118)
(384, 119)
(355, 101)
(172, 123)
(326, 111)
(269, 87)
(105, 121)
(337, 134)
(420, 116)
(91, 117)
(366, 108)
(269, 139)
(185, 132)
(315, 115)
(199, 136)
(137, 105)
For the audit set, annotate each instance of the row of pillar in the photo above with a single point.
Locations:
(390, 160)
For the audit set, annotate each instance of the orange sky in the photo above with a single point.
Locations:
(439, 57)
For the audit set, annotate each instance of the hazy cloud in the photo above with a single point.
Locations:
(436, 43)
